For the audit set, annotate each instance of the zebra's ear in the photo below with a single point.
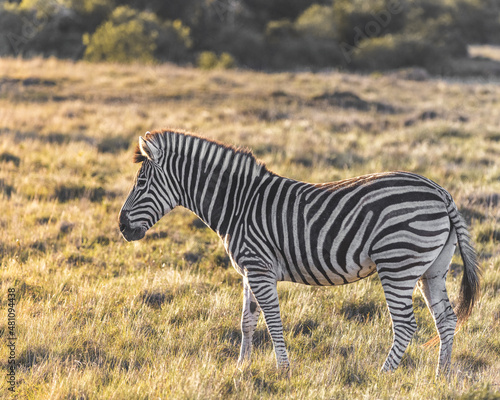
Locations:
(149, 150)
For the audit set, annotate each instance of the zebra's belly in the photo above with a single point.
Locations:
(316, 275)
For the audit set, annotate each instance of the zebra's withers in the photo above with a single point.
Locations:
(400, 224)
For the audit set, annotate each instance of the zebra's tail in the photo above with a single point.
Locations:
(469, 287)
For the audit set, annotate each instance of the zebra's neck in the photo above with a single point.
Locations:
(217, 182)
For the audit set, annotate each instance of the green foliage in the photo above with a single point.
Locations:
(42, 7)
(439, 28)
(226, 61)
(92, 12)
(257, 34)
(478, 20)
(91, 6)
(357, 20)
(209, 60)
(133, 36)
(395, 51)
(317, 21)
(281, 29)
(299, 44)
(128, 36)
(173, 41)
(38, 27)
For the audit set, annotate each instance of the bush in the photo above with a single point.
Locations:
(294, 45)
(357, 20)
(478, 20)
(49, 29)
(226, 61)
(130, 35)
(304, 52)
(173, 41)
(258, 33)
(317, 21)
(123, 38)
(209, 60)
(11, 38)
(246, 45)
(396, 51)
(92, 12)
(281, 29)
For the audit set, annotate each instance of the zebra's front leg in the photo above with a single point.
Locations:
(249, 319)
(265, 292)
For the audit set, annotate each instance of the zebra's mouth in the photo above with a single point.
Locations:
(132, 234)
(129, 233)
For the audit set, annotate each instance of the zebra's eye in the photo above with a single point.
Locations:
(141, 183)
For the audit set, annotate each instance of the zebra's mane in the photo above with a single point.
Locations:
(160, 136)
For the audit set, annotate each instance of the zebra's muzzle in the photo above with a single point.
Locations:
(129, 233)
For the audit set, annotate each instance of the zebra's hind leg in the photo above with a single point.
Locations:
(433, 287)
(249, 319)
(398, 295)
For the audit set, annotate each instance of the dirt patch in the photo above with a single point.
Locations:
(33, 81)
(64, 193)
(351, 100)
(8, 157)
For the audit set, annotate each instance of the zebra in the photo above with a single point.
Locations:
(399, 224)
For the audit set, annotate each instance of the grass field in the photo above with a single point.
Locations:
(97, 317)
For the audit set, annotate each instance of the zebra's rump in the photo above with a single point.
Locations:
(335, 233)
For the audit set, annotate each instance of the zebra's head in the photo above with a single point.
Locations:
(154, 193)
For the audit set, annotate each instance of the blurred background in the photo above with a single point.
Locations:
(447, 37)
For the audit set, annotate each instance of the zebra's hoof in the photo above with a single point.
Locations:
(243, 364)
(284, 371)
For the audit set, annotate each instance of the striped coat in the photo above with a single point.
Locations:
(399, 224)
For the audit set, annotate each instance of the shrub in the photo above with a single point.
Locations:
(11, 38)
(209, 60)
(226, 61)
(357, 20)
(245, 44)
(317, 21)
(92, 12)
(38, 27)
(304, 52)
(478, 20)
(292, 45)
(281, 29)
(123, 38)
(173, 41)
(130, 35)
(396, 51)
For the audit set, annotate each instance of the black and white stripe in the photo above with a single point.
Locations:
(399, 224)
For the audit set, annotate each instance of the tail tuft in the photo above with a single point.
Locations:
(469, 288)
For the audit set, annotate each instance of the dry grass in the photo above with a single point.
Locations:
(488, 51)
(101, 318)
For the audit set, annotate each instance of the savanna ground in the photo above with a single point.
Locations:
(97, 317)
